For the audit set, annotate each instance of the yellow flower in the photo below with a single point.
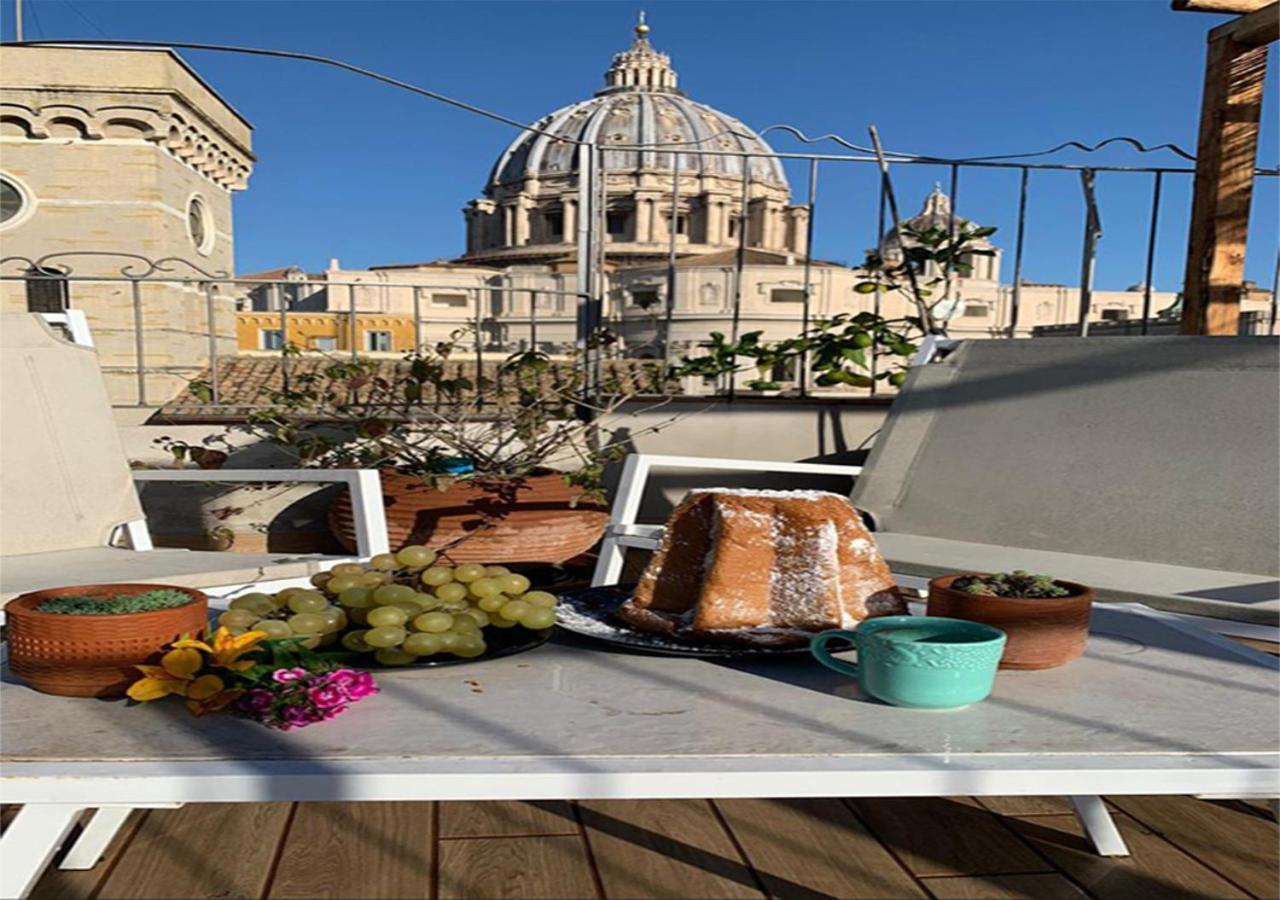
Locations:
(209, 693)
(227, 648)
(174, 675)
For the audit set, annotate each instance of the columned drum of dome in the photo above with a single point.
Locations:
(528, 212)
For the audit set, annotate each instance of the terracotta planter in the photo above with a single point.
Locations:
(94, 656)
(1043, 633)
(528, 520)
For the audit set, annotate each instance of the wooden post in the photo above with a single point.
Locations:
(1225, 159)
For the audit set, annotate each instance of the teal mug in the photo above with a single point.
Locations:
(921, 662)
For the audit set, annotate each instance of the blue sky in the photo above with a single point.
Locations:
(358, 170)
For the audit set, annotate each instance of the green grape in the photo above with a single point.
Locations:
(328, 639)
(284, 594)
(451, 592)
(320, 579)
(388, 594)
(492, 604)
(500, 621)
(393, 656)
(335, 619)
(423, 644)
(468, 572)
(311, 642)
(495, 571)
(387, 615)
(455, 608)
(540, 599)
(411, 607)
(538, 618)
(479, 615)
(427, 602)
(355, 597)
(385, 636)
(259, 604)
(237, 618)
(485, 587)
(339, 583)
(373, 579)
(385, 562)
(354, 641)
(347, 569)
(308, 602)
(449, 640)
(464, 624)
(513, 584)
(415, 557)
(274, 629)
(433, 621)
(514, 610)
(437, 575)
(468, 647)
(306, 623)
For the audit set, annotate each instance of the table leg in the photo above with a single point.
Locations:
(94, 838)
(1098, 825)
(29, 843)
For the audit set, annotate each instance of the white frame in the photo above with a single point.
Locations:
(76, 324)
(364, 485)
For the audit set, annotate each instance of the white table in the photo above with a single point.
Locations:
(1154, 707)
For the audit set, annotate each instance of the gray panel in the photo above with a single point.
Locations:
(1160, 449)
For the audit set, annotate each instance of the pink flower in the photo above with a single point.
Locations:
(332, 713)
(296, 715)
(257, 701)
(326, 696)
(362, 685)
(284, 676)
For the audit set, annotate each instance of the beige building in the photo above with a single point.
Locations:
(107, 152)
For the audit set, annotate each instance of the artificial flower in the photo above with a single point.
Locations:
(227, 648)
(174, 675)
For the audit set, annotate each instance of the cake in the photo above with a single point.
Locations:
(762, 567)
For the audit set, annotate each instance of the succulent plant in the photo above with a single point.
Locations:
(79, 605)
(1011, 584)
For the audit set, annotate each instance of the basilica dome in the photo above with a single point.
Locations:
(528, 211)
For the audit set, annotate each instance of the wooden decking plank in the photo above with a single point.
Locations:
(816, 845)
(939, 836)
(554, 867)
(1242, 846)
(1156, 867)
(1027, 806)
(664, 848)
(366, 850)
(502, 818)
(200, 850)
(1000, 887)
(80, 884)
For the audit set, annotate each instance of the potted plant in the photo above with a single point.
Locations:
(85, 641)
(500, 462)
(1046, 619)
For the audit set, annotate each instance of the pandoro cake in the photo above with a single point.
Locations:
(762, 567)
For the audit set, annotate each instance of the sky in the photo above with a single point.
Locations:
(361, 171)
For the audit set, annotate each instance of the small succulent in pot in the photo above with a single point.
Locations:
(1011, 584)
(121, 604)
(1046, 619)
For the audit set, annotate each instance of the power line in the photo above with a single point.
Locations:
(92, 24)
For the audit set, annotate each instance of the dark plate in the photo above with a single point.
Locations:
(499, 642)
(592, 613)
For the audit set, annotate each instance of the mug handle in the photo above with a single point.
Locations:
(818, 647)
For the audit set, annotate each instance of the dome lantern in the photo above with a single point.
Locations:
(641, 68)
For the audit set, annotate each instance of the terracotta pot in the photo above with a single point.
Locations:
(527, 520)
(94, 656)
(1043, 633)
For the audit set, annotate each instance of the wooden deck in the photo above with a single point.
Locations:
(944, 848)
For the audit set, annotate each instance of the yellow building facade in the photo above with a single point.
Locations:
(324, 332)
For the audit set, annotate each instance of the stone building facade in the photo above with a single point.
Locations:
(106, 152)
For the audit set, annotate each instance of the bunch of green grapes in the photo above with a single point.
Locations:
(291, 613)
(405, 607)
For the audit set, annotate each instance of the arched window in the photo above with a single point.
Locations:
(46, 291)
(200, 224)
(16, 202)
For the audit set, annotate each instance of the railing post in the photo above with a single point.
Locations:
(139, 348)
(803, 374)
(417, 320)
(671, 258)
(1151, 254)
(214, 392)
(355, 329)
(1092, 231)
(1015, 301)
(739, 263)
